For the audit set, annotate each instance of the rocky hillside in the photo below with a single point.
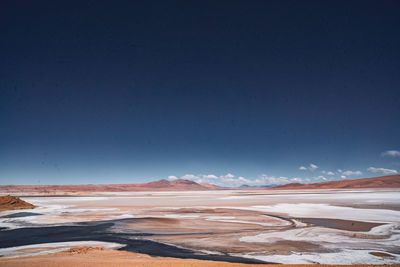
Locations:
(392, 181)
(13, 203)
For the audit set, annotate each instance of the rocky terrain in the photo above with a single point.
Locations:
(391, 181)
(13, 203)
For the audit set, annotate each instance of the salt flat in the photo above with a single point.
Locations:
(281, 226)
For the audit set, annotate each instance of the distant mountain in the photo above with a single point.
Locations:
(257, 186)
(391, 181)
(291, 185)
(161, 185)
(212, 186)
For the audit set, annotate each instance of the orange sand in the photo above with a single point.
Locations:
(99, 257)
(13, 203)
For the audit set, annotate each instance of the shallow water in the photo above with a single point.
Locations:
(95, 231)
(20, 214)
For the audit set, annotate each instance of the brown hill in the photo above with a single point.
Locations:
(161, 185)
(157, 184)
(213, 187)
(391, 181)
(13, 203)
(291, 185)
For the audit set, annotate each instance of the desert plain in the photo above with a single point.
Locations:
(190, 228)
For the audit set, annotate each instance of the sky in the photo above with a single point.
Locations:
(227, 92)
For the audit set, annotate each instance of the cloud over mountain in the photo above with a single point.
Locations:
(231, 180)
(381, 170)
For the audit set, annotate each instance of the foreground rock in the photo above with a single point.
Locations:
(13, 203)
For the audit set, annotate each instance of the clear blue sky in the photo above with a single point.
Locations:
(126, 92)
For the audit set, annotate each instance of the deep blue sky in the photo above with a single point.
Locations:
(129, 91)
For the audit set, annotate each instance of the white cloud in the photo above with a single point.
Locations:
(391, 153)
(321, 177)
(210, 176)
(381, 170)
(312, 167)
(229, 175)
(328, 173)
(271, 180)
(223, 180)
(230, 180)
(242, 179)
(190, 177)
(349, 173)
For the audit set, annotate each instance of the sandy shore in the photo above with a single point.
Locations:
(98, 257)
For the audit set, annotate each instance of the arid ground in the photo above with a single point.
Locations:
(325, 226)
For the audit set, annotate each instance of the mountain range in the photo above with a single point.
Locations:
(392, 181)
(161, 185)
